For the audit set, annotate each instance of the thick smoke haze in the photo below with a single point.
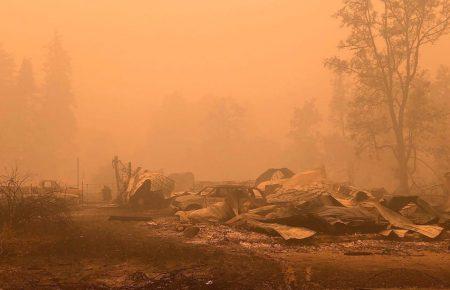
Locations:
(203, 86)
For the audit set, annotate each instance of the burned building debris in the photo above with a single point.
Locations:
(306, 204)
(142, 188)
(293, 206)
(274, 174)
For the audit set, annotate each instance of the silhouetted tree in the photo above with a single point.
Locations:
(385, 43)
(337, 145)
(306, 136)
(58, 123)
(24, 110)
(440, 144)
(7, 132)
(224, 142)
(441, 86)
(224, 120)
(170, 137)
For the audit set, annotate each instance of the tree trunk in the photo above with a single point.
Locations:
(404, 179)
(402, 170)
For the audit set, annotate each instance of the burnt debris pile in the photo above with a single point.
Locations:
(293, 206)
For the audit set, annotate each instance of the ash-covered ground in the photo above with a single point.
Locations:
(163, 253)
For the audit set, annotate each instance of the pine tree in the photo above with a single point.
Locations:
(58, 123)
(6, 112)
(24, 108)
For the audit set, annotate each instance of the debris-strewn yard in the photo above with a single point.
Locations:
(163, 253)
(287, 231)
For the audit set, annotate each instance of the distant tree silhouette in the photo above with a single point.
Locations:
(7, 131)
(224, 136)
(440, 144)
(23, 104)
(56, 112)
(305, 134)
(338, 149)
(224, 120)
(170, 136)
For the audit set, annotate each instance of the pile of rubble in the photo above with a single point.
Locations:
(304, 204)
(294, 206)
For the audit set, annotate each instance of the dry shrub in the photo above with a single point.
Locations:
(22, 207)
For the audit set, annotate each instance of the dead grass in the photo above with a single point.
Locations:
(22, 208)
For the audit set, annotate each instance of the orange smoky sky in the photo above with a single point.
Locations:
(127, 55)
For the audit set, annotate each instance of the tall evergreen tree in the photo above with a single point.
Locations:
(24, 109)
(6, 100)
(58, 123)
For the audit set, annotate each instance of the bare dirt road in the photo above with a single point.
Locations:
(95, 253)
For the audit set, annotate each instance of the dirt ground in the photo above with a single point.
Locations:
(95, 253)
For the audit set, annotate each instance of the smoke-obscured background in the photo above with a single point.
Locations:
(224, 89)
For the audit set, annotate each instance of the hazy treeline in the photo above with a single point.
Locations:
(214, 137)
(386, 122)
(37, 119)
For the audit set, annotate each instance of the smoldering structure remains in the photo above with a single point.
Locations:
(295, 206)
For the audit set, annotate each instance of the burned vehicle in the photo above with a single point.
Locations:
(72, 195)
(217, 193)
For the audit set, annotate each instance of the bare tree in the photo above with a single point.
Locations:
(385, 44)
(22, 205)
(11, 195)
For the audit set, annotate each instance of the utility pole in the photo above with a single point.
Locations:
(78, 173)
